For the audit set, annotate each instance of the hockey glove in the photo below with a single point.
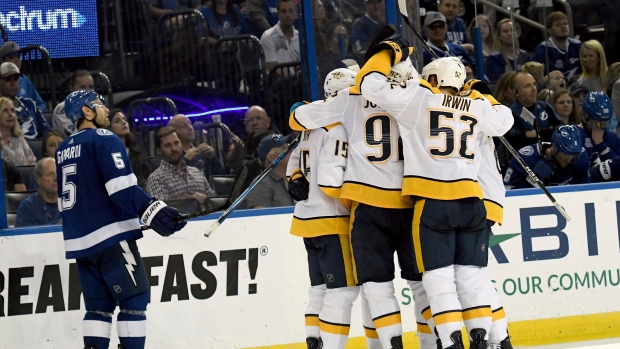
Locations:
(398, 46)
(543, 170)
(161, 218)
(296, 105)
(475, 84)
(298, 186)
(608, 170)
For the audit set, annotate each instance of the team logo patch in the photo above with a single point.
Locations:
(330, 277)
(117, 288)
(527, 151)
(483, 247)
(104, 132)
(544, 116)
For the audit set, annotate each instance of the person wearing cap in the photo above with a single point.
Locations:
(436, 27)
(272, 190)
(9, 52)
(30, 118)
(365, 27)
(532, 118)
(578, 91)
(174, 179)
(559, 50)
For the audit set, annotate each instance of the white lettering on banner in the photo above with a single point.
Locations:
(246, 286)
(24, 20)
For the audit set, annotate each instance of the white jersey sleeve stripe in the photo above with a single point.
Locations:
(101, 234)
(119, 183)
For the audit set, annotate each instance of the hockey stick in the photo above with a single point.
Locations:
(234, 194)
(402, 6)
(258, 179)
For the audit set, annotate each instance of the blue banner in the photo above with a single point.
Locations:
(66, 28)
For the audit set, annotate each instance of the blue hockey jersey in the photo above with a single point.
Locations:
(566, 62)
(606, 150)
(98, 193)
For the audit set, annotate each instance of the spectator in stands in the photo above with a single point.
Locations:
(41, 208)
(503, 89)
(135, 150)
(537, 71)
(201, 157)
(365, 27)
(560, 162)
(262, 14)
(337, 49)
(157, 8)
(224, 18)
(435, 27)
(505, 58)
(457, 29)
(9, 52)
(555, 80)
(50, 143)
(15, 148)
(272, 190)
(13, 180)
(281, 42)
(565, 108)
(578, 91)
(30, 118)
(174, 179)
(611, 84)
(319, 20)
(486, 33)
(256, 121)
(593, 65)
(561, 51)
(78, 81)
(545, 95)
(340, 11)
(533, 118)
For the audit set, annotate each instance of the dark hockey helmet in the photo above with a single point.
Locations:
(76, 100)
(567, 139)
(597, 106)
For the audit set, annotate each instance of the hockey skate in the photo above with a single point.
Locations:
(476, 337)
(314, 343)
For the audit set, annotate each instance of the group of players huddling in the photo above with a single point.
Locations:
(390, 162)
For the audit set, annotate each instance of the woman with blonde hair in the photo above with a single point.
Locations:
(15, 149)
(593, 65)
(486, 33)
(506, 53)
(564, 106)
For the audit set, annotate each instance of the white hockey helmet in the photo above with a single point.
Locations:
(403, 71)
(450, 72)
(338, 79)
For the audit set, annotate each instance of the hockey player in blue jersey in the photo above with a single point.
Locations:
(563, 161)
(101, 202)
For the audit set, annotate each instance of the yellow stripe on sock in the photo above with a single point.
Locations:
(427, 314)
(447, 317)
(370, 332)
(340, 329)
(476, 313)
(312, 320)
(498, 314)
(388, 320)
(424, 328)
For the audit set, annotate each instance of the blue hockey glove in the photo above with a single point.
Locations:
(160, 218)
(543, 169)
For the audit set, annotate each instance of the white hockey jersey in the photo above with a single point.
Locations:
(375, 167)
(321, 156)
(490, 179)
(439, 131)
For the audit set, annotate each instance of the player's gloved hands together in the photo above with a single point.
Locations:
(475, 84)
(161, 218)
(543, 170)
(398, 46)
(298, 186)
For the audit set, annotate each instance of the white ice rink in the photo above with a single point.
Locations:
(613, 343)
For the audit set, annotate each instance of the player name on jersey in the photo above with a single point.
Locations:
(69, 153)
(456, 102)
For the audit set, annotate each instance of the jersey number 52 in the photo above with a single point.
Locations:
(437, 129)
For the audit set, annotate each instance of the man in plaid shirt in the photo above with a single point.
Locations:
(173, 179)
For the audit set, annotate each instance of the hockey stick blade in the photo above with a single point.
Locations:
(212, 228)
(351, 64)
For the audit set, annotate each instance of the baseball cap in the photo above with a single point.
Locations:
(270, 142)
(432, 17)
(577, 87)
(8, 47)
(8, 69)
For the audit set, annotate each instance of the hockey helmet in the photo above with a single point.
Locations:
(338, 79)
(567, 139)
(597, 107)
(450, 72)
(76, 100)
(403, 71)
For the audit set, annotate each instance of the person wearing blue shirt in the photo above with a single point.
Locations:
(435, 27)
(562, 51)
(30, 118)
(41, 208)
(224, 19)
(503, 58)
(457, 29)
(9, 52)
(532, 119)
(365, 27)
(561, 162)
(100, 203)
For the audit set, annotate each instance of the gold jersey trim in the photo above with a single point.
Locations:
(373, 196)
(441, 190)
(495, 211)
(319, 226)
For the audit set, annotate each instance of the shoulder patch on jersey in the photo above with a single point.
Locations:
(544, 116)
(104, 132)
(527, 151)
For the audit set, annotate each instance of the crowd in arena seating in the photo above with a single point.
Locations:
(545, 88)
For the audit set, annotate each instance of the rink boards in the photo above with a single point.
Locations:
(246, 285)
